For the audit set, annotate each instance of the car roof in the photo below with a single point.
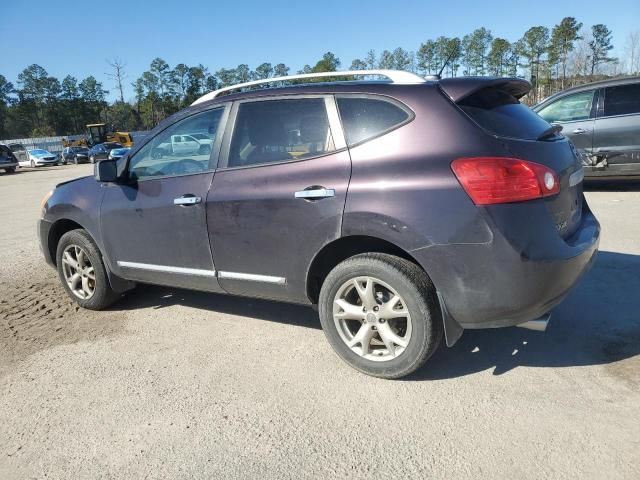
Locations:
(610, 82)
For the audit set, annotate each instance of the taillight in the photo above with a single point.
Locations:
(490, 180)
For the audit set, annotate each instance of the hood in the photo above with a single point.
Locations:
(73, 180)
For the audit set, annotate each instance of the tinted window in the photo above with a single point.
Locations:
(622, 100)
(163, 156)
(572, 107)
(280, 130)
(502, 114)
(364, 118)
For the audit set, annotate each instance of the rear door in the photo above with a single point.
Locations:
(576, 113)
(279, 196)
(617, 132)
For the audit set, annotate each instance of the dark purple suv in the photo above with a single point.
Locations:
(404, 210)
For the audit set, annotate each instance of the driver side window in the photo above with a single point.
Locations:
(168, 154)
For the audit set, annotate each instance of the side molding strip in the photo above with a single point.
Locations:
(167, 269)
(252, 277)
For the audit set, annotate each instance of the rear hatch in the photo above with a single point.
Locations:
(493, 104)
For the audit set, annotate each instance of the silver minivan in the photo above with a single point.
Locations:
(602, 119)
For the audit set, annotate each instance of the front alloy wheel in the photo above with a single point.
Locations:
(78, 272)
(82, 271)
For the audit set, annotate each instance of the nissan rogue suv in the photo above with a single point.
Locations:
(404, 209)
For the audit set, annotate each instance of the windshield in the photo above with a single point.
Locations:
(79, 150)
(111, 146)
(39, 152)
(119, 151)
(200, 136)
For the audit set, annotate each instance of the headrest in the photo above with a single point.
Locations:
(313, 129)
(266, 131)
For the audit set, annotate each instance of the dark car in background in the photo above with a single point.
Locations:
(8, 161)
(75, 155)
(602, 119)
(20, 152)
(101, 151)
(405, 210)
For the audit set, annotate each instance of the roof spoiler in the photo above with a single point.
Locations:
(459, 88)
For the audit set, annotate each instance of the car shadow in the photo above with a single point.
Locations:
(618, 184)
(598, 324)
(151, 296)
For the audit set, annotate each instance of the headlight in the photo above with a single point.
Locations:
(44, 200)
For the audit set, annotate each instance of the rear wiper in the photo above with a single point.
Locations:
(552, 131)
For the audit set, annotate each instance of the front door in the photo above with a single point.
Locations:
(576, 114)
(280, 195)
(617, 133)
(154, 227)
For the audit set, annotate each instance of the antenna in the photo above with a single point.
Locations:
(446, 62)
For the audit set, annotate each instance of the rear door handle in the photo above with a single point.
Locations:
(579, 131)
(310, 193)
(188, 199)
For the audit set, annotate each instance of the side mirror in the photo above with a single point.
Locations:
(105, 171)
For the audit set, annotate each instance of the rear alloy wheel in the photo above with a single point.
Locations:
(92, 159)
(380, 314)
(82, 272)
(33, 164)
(204, 150)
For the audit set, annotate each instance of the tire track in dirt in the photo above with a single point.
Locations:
(36, 313)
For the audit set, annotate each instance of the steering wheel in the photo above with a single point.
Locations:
(188, 165)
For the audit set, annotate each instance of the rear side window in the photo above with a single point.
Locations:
(622, 100)
(570, 108)
(365, 118)
(502, 114)
(280, 130)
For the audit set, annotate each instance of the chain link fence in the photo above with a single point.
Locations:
(54, 144)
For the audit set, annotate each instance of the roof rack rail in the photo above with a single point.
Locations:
(396, 76)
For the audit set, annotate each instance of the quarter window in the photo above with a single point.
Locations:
(173, 152)
(365, 118)
(280, 130)
(622, 100)
(569, 108)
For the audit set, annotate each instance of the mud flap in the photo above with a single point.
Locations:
(452, 331)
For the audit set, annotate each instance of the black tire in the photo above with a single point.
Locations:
(419, 296)
(204, 150)
(92, 159)
(103, 295)
(10, 170)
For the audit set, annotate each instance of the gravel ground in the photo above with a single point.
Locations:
(178, 384)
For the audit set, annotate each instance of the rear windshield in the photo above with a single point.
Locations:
(502, 114)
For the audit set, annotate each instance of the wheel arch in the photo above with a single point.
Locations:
(342, 248)
(57, 230)
(64, 225)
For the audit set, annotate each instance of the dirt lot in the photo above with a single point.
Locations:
(176, 384)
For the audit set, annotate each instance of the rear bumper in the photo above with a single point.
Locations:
(507, 282)
(46, 162)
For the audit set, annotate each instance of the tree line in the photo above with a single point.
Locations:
(552, 59)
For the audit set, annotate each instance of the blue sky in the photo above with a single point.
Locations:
(65, 39)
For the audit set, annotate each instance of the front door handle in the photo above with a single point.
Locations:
(314, 192)
(579, 131)
(188, 199)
